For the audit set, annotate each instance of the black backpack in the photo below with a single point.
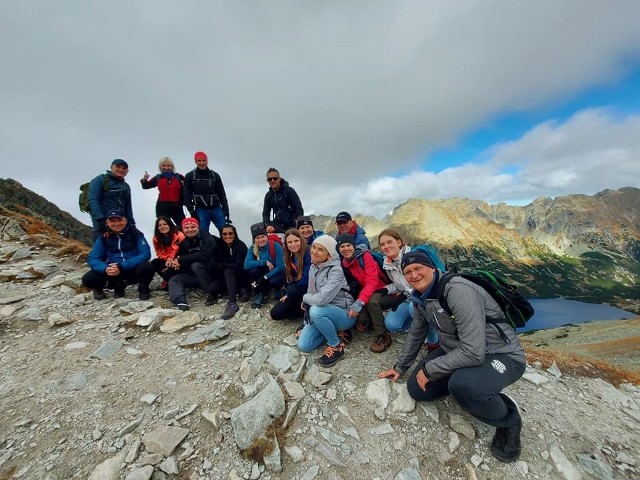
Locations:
(516, 308)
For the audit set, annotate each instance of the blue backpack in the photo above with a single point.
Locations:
(431, 252)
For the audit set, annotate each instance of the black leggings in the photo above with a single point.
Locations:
(290, 308)
(476, 389)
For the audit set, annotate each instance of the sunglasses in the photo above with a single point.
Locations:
(273, 179)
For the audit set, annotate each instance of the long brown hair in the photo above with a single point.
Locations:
(390, 232)
(289, 256)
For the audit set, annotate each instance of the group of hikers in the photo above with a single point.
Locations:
(333, 285)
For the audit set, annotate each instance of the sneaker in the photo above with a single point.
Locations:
(183, 306)
(331, 355)
(243, 296)
(98, 294)
(144, 293)
(505, 445)
(164, 286)
(118, 292)
(258, 300)
(211, 300)
(230, 311)
(345, 336)
(381, 343)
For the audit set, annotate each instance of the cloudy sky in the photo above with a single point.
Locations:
(359, 104)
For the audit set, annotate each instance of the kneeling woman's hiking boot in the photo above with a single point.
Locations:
(258, 300)
(505, 445)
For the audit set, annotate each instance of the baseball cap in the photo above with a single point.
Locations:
(115, 214)
(119, 161)
(343, 217)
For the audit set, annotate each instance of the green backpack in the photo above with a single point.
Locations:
(83, 198)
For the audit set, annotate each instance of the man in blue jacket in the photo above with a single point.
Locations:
(348, 225)
(108, 192)
(118, 259)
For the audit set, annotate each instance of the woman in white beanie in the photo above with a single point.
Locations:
(326, 303)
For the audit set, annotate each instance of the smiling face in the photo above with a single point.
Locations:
(347, 250)
(319, 254)
(190, 230)
(119, 171)
(345, 227)
(419, 276)
(306, 230)
(166, 167)
(261, 240)
(163, 227)
(390, 246)
(294, 243)
(228, 235)
(116, 224)
(202, 163)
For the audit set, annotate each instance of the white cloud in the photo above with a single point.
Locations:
(341, 97)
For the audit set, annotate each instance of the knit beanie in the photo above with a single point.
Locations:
(200, 156)
(190, 221)
(344, 238)
(327, 242)
(304, 221)
(418, 257)
(258, 229)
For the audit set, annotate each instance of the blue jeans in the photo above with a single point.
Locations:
(400, 321)
(325, 323)
(213, 215)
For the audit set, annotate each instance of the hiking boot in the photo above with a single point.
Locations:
(331, 355)
(183, 306)
(212, 299)
(143, 293)
(243, 296)
(118, 292)
(230, 311)
(381, 343)
(505, 445)
(345, 336)
(258, 300)
(98, 294)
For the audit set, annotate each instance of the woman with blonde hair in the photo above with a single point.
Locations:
(296, 270)
(169, 185)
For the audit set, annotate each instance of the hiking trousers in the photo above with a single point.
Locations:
(476, 389)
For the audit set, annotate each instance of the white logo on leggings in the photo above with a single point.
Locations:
(498, 366)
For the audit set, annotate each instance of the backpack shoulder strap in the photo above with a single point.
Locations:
(105, 182)
(438, 293)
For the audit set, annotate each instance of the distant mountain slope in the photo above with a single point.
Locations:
(580, 246)
(17, 199)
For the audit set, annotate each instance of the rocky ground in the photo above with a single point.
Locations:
(121, 389)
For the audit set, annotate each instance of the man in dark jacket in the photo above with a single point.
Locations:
(476, 359)
(118, 258)
(194, 252)
(283, 201)
(204, 195)
(108, 192)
